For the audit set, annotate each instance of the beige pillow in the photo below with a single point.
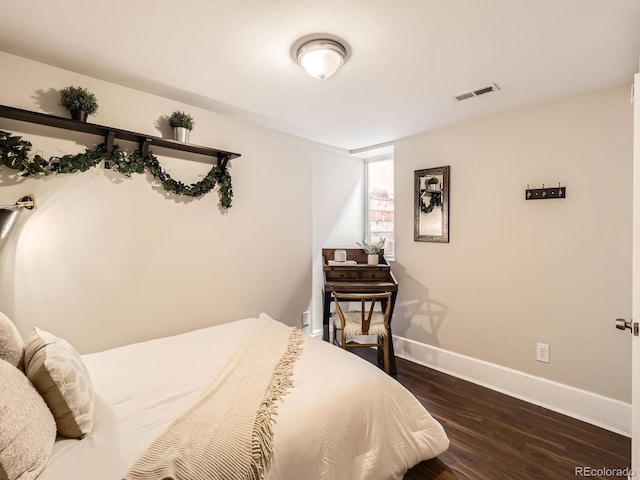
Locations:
(27, 428)
(56, 370)
(11, 344)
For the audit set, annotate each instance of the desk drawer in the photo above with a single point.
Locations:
(341, 275)
(373, 275)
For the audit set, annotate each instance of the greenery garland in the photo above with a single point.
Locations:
(14, 153)
(434, 202)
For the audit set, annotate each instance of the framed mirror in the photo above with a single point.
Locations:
(431, 205)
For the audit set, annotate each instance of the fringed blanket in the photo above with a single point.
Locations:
(228, 433)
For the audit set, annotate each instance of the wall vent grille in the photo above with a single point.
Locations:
(476, 92)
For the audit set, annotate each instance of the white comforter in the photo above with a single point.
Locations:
(344, 418)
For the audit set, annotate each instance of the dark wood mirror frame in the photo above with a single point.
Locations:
(431, 205)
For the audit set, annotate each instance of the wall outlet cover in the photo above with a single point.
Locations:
(542, 352)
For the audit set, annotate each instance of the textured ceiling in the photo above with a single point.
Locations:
(408, 56)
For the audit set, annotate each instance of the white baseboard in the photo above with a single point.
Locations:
(589, 407)
(315, 333)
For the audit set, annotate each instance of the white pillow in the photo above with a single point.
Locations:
(59, 375)
(11, 344)
(27, 428)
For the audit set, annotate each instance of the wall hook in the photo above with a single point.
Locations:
(545, 193)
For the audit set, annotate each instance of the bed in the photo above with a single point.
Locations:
(341, 417)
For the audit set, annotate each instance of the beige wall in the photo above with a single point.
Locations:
(518, 272)
(106, 260)
(338, 202)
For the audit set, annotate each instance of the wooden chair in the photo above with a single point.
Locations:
(364, 321)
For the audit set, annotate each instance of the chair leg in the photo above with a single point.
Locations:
(386, 354)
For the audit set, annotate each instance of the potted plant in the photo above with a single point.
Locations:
(432, 183)
(372, 250)
(79, 101)
(182, 123)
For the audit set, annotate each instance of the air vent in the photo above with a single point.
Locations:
(476, 92)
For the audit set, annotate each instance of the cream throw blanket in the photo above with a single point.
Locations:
(228, 433)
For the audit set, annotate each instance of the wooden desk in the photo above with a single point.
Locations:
(357, 279)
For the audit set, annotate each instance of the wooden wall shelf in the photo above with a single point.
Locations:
(109, 134)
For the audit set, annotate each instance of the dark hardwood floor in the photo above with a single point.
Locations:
(494, 436)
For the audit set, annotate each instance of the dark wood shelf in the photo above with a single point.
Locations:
(110, 133)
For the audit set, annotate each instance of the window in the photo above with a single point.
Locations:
(379, 202)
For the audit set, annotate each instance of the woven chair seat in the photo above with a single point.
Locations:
(353, 324)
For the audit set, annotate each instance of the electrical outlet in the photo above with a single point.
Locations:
(306, 319)
(542, 352)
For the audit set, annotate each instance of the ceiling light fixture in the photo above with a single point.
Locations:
(321, 57)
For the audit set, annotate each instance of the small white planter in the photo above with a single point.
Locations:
(372, 259)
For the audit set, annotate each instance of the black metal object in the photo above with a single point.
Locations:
(622, 324)
(109, 134)
(633, 327)
(27, 202)
(545, 193)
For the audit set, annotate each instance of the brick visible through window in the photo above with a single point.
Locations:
(380, 200)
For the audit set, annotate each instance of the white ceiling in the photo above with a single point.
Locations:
(408, 56)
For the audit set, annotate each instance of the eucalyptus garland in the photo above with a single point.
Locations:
(14, 153)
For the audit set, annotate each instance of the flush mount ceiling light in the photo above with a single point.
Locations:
(320, 57)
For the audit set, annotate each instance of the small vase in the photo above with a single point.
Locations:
(79, 115)
(372, 259)
(181, 134)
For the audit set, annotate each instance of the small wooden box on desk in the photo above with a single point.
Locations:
(359, 278)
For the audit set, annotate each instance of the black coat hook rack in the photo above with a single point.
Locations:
(545, 193)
